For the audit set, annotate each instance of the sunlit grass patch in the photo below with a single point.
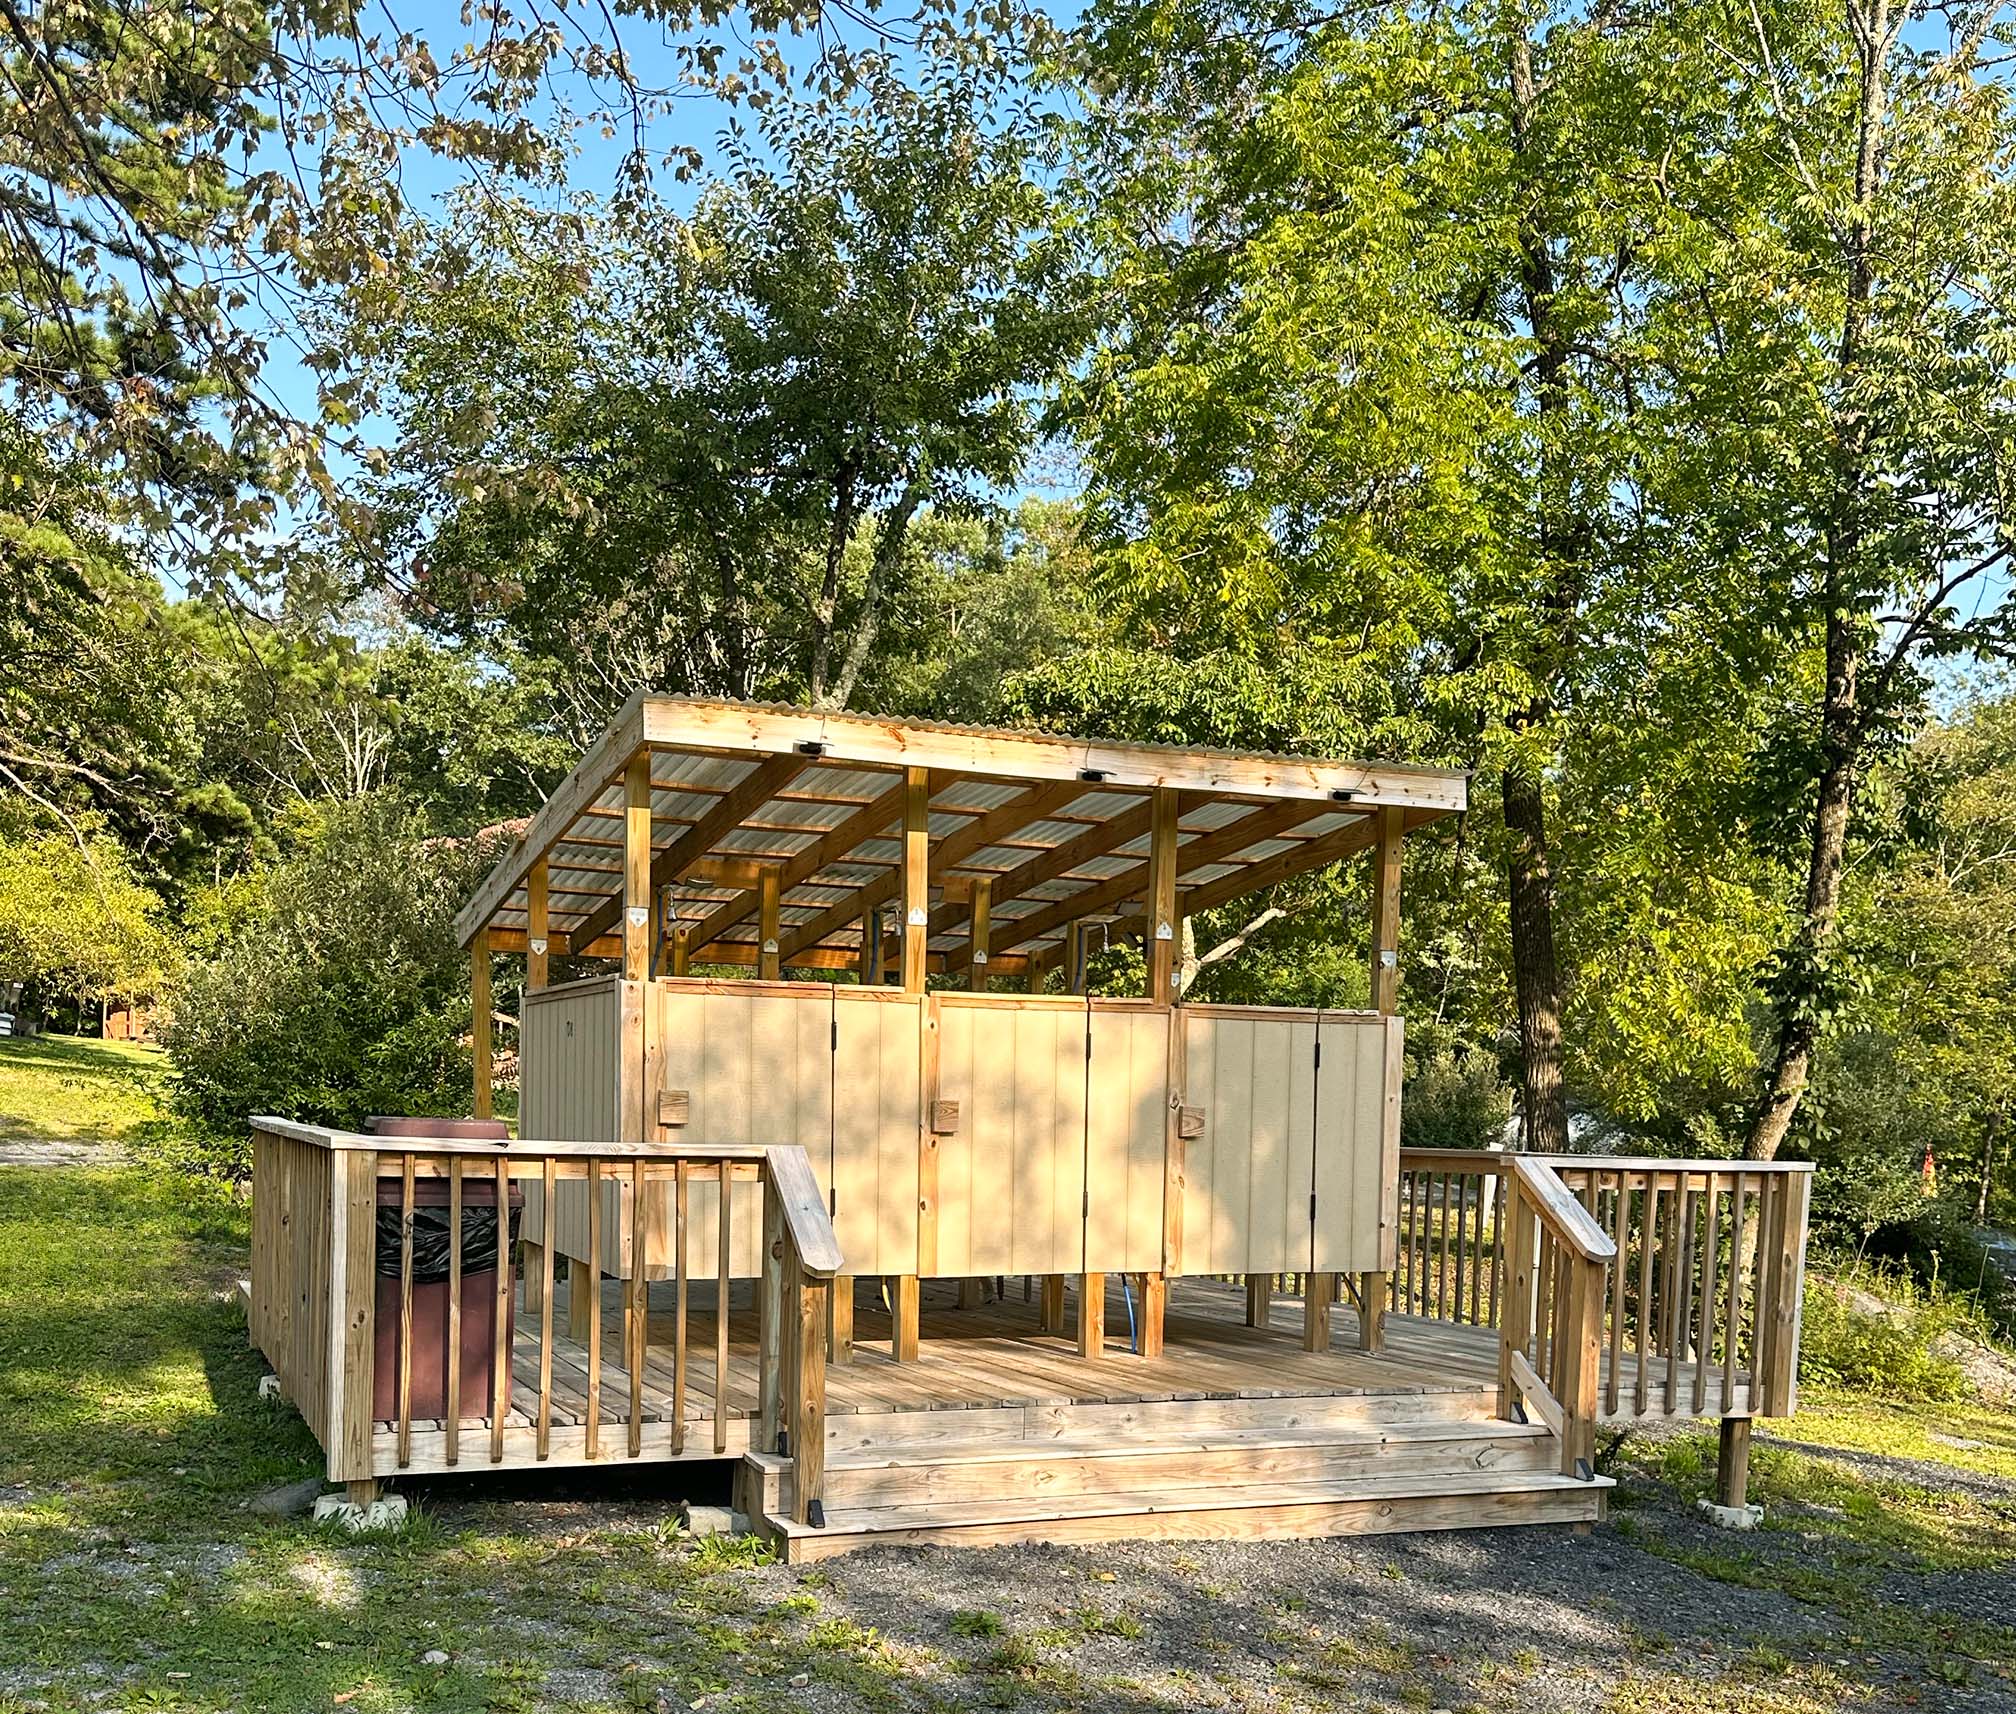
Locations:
(64, 1089)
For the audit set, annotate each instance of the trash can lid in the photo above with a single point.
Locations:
(429, 1125)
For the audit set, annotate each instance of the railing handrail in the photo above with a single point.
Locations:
(1495, 1161)
(490, 1148)
(807, 1223)
(1569, 1221)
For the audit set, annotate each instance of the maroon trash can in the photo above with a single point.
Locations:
(430, 1277)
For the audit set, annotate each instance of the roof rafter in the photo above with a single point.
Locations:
(755, 789)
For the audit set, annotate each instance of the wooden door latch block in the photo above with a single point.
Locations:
(944, 1118)
(1189, 1122)
(675, 1106)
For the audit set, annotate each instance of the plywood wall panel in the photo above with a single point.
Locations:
(876, 1071)
(1126, 1113)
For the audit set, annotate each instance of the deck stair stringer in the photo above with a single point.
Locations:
(1235, 1470)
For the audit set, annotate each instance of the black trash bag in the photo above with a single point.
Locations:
(430, 1242)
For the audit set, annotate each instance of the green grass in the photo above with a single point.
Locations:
(64, 1089)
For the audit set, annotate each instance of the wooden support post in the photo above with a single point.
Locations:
(903, 1330)
(808, 1402)
(914, 894)
(769, 929)
(1732, 1464)
(479, 1022)
(1259, 1299)
(840, 1320)
(982, 926)
(1385, 988)
(1319, 1292)
(1164, 946)
(637, 868)
(915, 889)
(363, 1492)
(535, 927)
(1091, 1315)
(972, 1294)
(1051, 1312)
(1372, 1293)
(584, 1297)
(682, 947)
(1150, 1313)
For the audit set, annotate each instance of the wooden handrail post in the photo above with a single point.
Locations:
(769, 1367)
(1581, 1366)
(1516, 1321)
(808, 1400)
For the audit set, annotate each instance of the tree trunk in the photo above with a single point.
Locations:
(828, 602)
(882, 572)
(1536, 974)
(1842, 719)
(1801, 984)
(1562, 542)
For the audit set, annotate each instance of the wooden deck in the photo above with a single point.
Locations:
(988, 1358)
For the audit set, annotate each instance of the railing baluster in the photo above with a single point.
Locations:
(548, 1238)
(1498, 1243)
(1462, 1241)
(500, 1317)
(636, 1334)
(1738, 1213)
(1711, 1251)
(452, 1429)
(1648, 1229)
(721, 1261)
(681, 1175)
(405, 1310)
(591, 1279)
(1442, 1253)
(1620, 1231)
(1682, 1303)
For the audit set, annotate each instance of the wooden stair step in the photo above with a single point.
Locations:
(1361, 1505)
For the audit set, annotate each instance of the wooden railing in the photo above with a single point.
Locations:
(1557, 1260)
(1701, 1318)
(314, 1298)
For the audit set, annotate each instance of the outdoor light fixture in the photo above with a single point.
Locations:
(811, 747)
(1095, 776)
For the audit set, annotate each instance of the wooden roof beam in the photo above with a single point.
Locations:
(864, 823)
(1020, 811)
(1218, 846)
(755, 789)
(1099, 841)
(869, 740)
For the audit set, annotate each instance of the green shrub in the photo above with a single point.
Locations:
(1454, 1102)
(335, 991)
(1879, 1334)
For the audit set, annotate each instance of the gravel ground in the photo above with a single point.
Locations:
(1653, 1610)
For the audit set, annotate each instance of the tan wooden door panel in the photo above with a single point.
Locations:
(757, 1067)
(876, 1071)
(1248, 1176)
(1011, 1176)
(1126, 1115)
(1357, 1142)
